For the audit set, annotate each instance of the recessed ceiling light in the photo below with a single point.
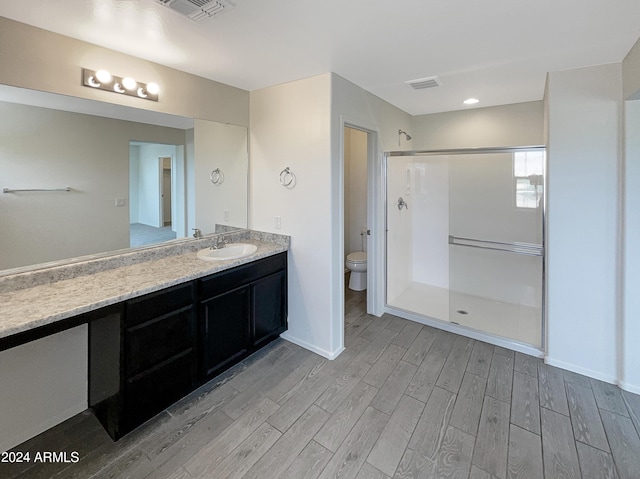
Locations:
(471, 101)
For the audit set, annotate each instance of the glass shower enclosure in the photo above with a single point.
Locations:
(465, 239)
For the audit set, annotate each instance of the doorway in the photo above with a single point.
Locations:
(157, 210)
(367, 232)
(355, 154)
(165, 164)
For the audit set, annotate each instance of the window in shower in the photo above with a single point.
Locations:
(528, 173)
(460, 252)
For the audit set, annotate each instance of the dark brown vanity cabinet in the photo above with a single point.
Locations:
(268, 308)
(148, 352)
(236, 322)
(224, 319)
(159, 352)
(143, 359)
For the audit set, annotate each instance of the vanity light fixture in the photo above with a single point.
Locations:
(92, 81)
(103, 80)
(152, 89)
(471, 101)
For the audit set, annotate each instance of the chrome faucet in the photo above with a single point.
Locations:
(220, 242)
(197, 234)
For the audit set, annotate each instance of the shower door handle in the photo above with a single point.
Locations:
(402, 204)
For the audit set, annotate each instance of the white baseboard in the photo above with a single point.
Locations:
(21, 436)
(632, 388)
(331, 355)
(607, 378)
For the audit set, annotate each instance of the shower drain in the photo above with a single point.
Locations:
(462, 311)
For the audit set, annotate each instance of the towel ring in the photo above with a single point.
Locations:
(287, 178)
(217, 177)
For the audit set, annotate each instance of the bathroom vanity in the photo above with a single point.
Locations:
(158, 329)
(147, 352)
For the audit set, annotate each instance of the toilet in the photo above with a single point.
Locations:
(357, 264)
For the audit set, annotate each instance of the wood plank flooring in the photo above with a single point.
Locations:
(403, 401)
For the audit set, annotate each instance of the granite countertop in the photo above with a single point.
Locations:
(28, 308)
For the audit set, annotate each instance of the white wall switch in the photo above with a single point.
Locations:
(121, 202)
(278, 223)
(226, 216)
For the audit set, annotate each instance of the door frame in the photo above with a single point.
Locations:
(375, 222)
(172, 181)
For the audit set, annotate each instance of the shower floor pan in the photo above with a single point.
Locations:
(513, 321)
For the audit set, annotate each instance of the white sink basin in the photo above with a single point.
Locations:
(230, 251)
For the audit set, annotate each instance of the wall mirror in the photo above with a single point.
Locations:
(135, 178)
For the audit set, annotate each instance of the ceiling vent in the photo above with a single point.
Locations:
(197, 10)
(422, 83)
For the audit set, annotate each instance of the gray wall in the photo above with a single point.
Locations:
(519, 124)
(47, 148)
(631, 73)
(631, 226)
(41, 60)
(584, 151)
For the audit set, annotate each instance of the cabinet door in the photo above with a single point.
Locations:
(268, 307)
(225, 320)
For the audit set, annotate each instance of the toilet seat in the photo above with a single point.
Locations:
(357, 257)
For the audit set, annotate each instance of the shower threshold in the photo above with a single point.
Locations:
(515, 322)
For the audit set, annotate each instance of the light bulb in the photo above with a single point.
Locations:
(129, 83)
(153, 88)
(103, 76)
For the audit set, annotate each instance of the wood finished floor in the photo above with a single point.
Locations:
(403, 401)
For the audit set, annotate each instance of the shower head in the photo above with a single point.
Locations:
(401, 132)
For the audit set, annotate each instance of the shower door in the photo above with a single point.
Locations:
(495, 243)
(464, 240)
(417, 235)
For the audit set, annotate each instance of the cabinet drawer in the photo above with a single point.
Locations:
(153, 341)
(155, 304)
(149, 393)
(220, 282)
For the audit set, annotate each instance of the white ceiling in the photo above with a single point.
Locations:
(496, 50)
